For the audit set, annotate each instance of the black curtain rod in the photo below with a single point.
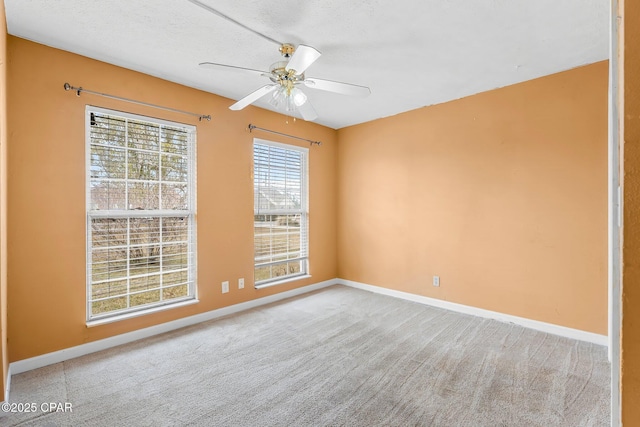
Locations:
(78, 90)
(252, 127)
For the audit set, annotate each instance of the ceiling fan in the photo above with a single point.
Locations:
(287, 76)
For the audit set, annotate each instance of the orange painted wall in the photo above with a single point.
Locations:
(47, 194)
(630, 139)
(502, 194)
(4, 360)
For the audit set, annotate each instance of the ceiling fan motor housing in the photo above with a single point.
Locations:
(284, 77)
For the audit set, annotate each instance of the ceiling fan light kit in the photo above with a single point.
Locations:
(286, 76)
(290, 98)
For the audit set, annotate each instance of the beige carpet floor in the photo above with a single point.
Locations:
(335, 357)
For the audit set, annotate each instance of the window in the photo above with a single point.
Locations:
(280, 211)
(140, 213)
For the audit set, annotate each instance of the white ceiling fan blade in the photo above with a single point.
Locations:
(252, 97)
(337, 87)
(214, 65)
(307, 111)
(302, 58)
(228, 18)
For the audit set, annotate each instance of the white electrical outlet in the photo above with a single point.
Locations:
(436, 280)
(225, 287)
(241, 283)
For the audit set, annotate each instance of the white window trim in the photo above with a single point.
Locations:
(192, 296)
(287, 279)
(304, 211)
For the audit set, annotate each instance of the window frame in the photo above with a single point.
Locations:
(303, 212)
(90, 214)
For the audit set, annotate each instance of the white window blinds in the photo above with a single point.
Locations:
(280, 211)
(140, 213)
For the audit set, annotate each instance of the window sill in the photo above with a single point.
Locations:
(280, 282)
(131, 315)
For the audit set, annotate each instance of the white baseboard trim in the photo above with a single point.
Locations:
(460, 308)
(92, 347)
(7, 387)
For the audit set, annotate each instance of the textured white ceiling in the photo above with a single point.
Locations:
(411, 53)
